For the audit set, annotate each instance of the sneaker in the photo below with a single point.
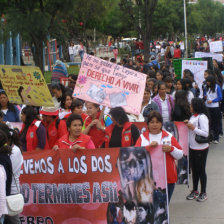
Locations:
(216, 142)
(221, 135)
(192, 195)
(202, 197)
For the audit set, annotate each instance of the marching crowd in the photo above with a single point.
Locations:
(73, 124)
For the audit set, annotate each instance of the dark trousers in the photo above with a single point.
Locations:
(215, 120)
(198, 160)
(12, 219)
(170, 190)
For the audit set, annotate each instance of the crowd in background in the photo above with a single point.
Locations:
(73, 124)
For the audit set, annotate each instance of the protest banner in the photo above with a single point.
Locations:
(110, 85)
(197, 68)
(25, 85)
(216, 46)
(182, 164)
(180, 131)
(177, 64)
(94, 186)
(217, 57)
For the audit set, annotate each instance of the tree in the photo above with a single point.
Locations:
(141, 9)
(35, 21)
(168, 18)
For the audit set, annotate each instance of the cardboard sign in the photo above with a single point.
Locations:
(110, 85)
(94, 186)
(216, 46)
(25, 85)
(217, 57)
(177, 64)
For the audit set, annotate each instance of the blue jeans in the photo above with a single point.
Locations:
(170, 188)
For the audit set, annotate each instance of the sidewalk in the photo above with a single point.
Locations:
(211, 211)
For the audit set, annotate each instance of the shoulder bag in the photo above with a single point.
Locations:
(15, 203)
(201, 139)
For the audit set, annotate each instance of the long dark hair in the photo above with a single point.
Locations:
(119, 115)
(199, 107)
(12, 135)
(63, 99)
(212, 81)
(4, 147)
(31, 115)
(10, 106)
(181, 100)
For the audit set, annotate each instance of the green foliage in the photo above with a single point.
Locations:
(205, 17)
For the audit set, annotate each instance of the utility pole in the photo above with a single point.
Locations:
(185, 29)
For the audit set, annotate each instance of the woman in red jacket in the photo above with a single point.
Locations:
(94, 125)
(54, 126)
(75, 139)
(33, 135)
(121, 133)
(156, 136)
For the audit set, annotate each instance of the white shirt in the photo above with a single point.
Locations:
(165, 111)
(4, 111)
(211, 96)
(134, 118)
(70, 50)
(3, 206)
(155, 138)
(203, 131)
(17, 161)
(190, 96)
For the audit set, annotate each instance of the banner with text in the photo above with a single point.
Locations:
(218, 57)
(124, 185)
(25, 85)
(216, 46)
(109, 84)
(180, 131)
(197, 68)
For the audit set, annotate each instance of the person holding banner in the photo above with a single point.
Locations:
(74, 139)
(155, 136)
(121, 133)
(33, 135)
(94, 124)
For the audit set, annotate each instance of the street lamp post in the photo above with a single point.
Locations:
(185, 29)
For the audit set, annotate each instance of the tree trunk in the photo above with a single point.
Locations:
(147, 31)
(38, 55)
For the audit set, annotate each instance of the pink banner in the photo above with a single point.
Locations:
(109, 84)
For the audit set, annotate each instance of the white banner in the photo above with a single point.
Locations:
(216, 46)
(217, 57)
(197, 68)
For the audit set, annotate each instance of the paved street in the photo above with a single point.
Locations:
(211, 211)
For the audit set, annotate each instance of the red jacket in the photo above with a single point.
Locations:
(96, 134)
(126, 136)
(31, 136)
(170, 161)
(82, 140)
(54, 133)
